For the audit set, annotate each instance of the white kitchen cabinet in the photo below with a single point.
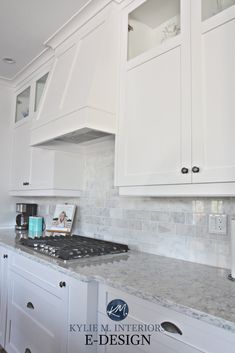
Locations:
(4, 256)
(175, 134)
(37, 308)
(42, 304)
(196, 336)
(153, 135)
(22, 105)
(81, 91)
(213, 87)
(37, 171)
(20, 171)
(42, 172)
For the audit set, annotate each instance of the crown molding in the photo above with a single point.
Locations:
(46, 56)
(78, 20)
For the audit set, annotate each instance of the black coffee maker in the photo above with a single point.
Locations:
(24, 210)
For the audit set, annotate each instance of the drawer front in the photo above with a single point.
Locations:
(195, 333)
(25, 333)
(37, 272)
(161, 343)
(35, 302)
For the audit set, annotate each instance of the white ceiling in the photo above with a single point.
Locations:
(26, 24)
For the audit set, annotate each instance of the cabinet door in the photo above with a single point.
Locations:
(213, 83)
(20, 173)
(37, 319)
(3, 295)
(154, 129)
(41, 169)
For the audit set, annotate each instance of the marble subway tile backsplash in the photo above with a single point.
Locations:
(174, 227)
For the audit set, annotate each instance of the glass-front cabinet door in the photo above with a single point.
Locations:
(213, 7)
(22, 105)
(40, 85)
(151, 24)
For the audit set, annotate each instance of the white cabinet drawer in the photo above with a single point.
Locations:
(37, 272)
(26, 333)
(38, 309)
(35, 302)
(161, 343)
(195, 333)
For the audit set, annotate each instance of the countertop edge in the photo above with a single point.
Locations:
(190, 312)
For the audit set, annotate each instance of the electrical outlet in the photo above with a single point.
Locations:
(218, 223)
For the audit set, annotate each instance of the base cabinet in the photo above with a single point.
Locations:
(4, 257)
(38, 305)
(37, 309)
(181, 333)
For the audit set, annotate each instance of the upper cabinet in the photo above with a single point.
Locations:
(151, 24)
(35, 171)
(29, 96)
(155, 95)
(175, 132)
(22, 104)
(80, 97)
(213, 87)
(39, 88)
(211, 8)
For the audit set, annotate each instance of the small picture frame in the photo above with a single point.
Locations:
(63, 220)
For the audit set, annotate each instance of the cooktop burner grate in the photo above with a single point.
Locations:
(73, 247)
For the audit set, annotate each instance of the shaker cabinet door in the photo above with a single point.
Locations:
(213, 82)
(153, 139)
(20, 173)
(151, 126)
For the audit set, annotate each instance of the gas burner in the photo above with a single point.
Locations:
(73, 247)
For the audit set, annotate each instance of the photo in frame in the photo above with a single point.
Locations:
(62, 220)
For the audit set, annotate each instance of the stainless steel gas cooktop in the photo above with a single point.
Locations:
(73, 247)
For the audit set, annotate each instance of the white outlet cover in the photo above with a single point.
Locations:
(218, 223)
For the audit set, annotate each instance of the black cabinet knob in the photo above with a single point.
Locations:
(184, 170)
(25, 183)
(195, 169)
(62, 284)
(30, 305)
(170, 327)
(27, 350)
(5, 256)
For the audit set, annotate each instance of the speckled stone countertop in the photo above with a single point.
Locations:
(200, 291)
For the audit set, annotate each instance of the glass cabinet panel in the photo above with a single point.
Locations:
(40, 84)
(22, 105)
(151, 24)
(212, 7)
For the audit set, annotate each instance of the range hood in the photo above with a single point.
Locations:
(79, 101)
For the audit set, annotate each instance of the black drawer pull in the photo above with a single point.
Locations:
(170, 327)
(62, 284)
(195, 169)
(30, 305)
(5, 256)
(25, 183)
(184, 170)
(27, 350)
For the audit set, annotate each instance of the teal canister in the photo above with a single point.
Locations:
(35, 227)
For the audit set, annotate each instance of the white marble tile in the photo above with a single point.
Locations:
(176, 227)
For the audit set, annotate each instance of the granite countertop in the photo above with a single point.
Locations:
(200, 291)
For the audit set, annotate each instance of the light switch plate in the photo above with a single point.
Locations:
(218, 223)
